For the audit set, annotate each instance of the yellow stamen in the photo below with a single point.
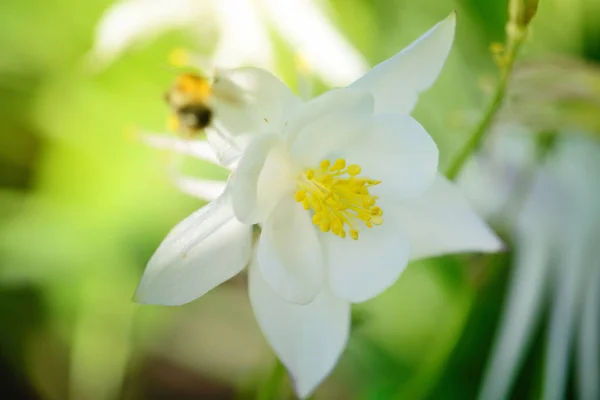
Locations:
(173, 123)
(339, 198)
(179, 58)
(354, 170)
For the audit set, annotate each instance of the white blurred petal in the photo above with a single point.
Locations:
(520, 315)
(588, 350)
(397, 82)
(196, 148)
(132, 22)
(308, 30)
(244, 39)
(204, 250)
(308, 339)
(204, 189)
(361, 269)
(289, 254)
(564, 309)
(441, 222)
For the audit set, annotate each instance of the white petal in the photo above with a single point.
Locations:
(132, 22)
(522, 312)
(397, 82)
(570, 277)
(201, 252)
(244, 36)
(289, 253)
(247, 101)
(196, 148)
(398, 151)
(326, 123)
(589, 337)
(361, 269)
(308, 339)
(442, 222)
(325, 50)
(263, 176)
(202, 188)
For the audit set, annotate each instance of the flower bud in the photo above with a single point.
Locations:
(520, 12)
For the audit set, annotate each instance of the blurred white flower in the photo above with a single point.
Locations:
(242, 28)
(556, 230)
(345, 190)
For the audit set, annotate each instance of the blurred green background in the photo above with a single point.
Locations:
(83, 205)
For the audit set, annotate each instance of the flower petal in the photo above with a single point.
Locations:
(289, 253)
(196, 148)
(201, 188)
(442, 222)
(572, 266)
(399, 152)
(201, 252)
(325, 123)
(327, 52)
(261, 179)
(247, 101)
(397, 82)
(520, 315)
(308, 339)
(361, 269)
(588, 346)
(133, 22)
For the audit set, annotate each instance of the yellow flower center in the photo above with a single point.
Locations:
(339, 198)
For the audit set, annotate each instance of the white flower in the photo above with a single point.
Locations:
(555, 229)
(242, 30)
(346, 191)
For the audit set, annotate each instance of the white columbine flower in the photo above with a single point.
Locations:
(553, 208)
(345, 190)
(242, 28)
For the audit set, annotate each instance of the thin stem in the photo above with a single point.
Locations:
(514, 44)
(271, 389)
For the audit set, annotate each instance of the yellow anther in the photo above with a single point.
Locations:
(339, 164)
(179, 58)
(354, 170)
(300, 195)
(369, 201)
(317, 219)
(339, 198)
(306, 204)
(377, 220)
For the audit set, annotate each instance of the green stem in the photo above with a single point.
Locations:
(476, 138)
(271, 389)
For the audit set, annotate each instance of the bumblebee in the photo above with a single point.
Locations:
(189, 99)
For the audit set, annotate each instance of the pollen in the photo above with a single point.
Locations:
(179, 58)
(339, 198)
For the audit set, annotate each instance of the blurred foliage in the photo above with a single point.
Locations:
(83, 205)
